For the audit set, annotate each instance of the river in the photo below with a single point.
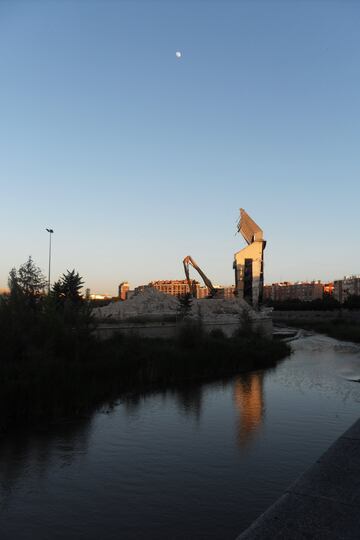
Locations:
(197, 462)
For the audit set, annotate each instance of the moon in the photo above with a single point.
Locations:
(178, 54)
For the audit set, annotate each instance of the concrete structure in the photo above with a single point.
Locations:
(123, 290)
(349, 286)
(249, 262)
(323, 503)
(168, 330)
(305, 291)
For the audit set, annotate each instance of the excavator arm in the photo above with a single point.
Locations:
(189, 260)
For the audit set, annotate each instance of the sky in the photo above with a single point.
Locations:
(137, 158)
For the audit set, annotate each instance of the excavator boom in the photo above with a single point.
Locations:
(189, 260)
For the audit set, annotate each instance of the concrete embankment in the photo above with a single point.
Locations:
(323, 503)
(263, 325)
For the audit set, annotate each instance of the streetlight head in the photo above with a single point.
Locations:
(50, 230)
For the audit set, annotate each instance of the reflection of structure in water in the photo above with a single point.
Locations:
(248, 395)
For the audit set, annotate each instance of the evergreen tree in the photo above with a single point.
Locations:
(28, 280)
(68, 287)
(185, 305)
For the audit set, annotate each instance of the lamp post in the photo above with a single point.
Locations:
(50, 231)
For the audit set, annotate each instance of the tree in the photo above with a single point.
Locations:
(352, 302)
(67, 308)
(68, 287)
(28, 281)
(185, 305)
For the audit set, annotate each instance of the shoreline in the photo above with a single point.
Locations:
(44, 388)
(338, 329)
(323, 502)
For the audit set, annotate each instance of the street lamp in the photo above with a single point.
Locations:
(50, 231)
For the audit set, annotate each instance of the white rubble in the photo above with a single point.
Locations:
(151, 302)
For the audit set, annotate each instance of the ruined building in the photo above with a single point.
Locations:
(249, 262)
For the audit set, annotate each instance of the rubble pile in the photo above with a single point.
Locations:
(151, 302)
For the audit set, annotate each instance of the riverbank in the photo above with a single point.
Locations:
(338, 328)
(323, 502)
(43, 386)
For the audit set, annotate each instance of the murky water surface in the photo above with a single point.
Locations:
(201, 462)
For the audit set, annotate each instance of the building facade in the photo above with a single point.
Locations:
(179, 287)
(174, 287)
(349, 286)
(306, 291)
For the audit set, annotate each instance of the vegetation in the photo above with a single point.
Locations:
(51, 364)
(352, 302)
(326, 303)
(185, 305)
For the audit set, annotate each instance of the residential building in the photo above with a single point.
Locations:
(305, 291)
(229, 291)
(329, 288)
(349, 286)
(101, 297)
(174, 287)
(179, 287)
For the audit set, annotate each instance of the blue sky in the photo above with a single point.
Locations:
(137, 159)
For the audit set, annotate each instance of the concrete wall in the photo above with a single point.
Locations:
(170, 330)
(323, 503)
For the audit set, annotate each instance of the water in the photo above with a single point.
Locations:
(201, 462)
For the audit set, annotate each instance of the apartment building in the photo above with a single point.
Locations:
(179, 287)
(174, 287)
(305, 291)
(349, 286)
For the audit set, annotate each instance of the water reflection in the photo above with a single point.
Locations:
(140, 471)
(190, 399)
(249, 400)
(61, 443)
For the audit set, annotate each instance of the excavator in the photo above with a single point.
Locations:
(213, 291)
